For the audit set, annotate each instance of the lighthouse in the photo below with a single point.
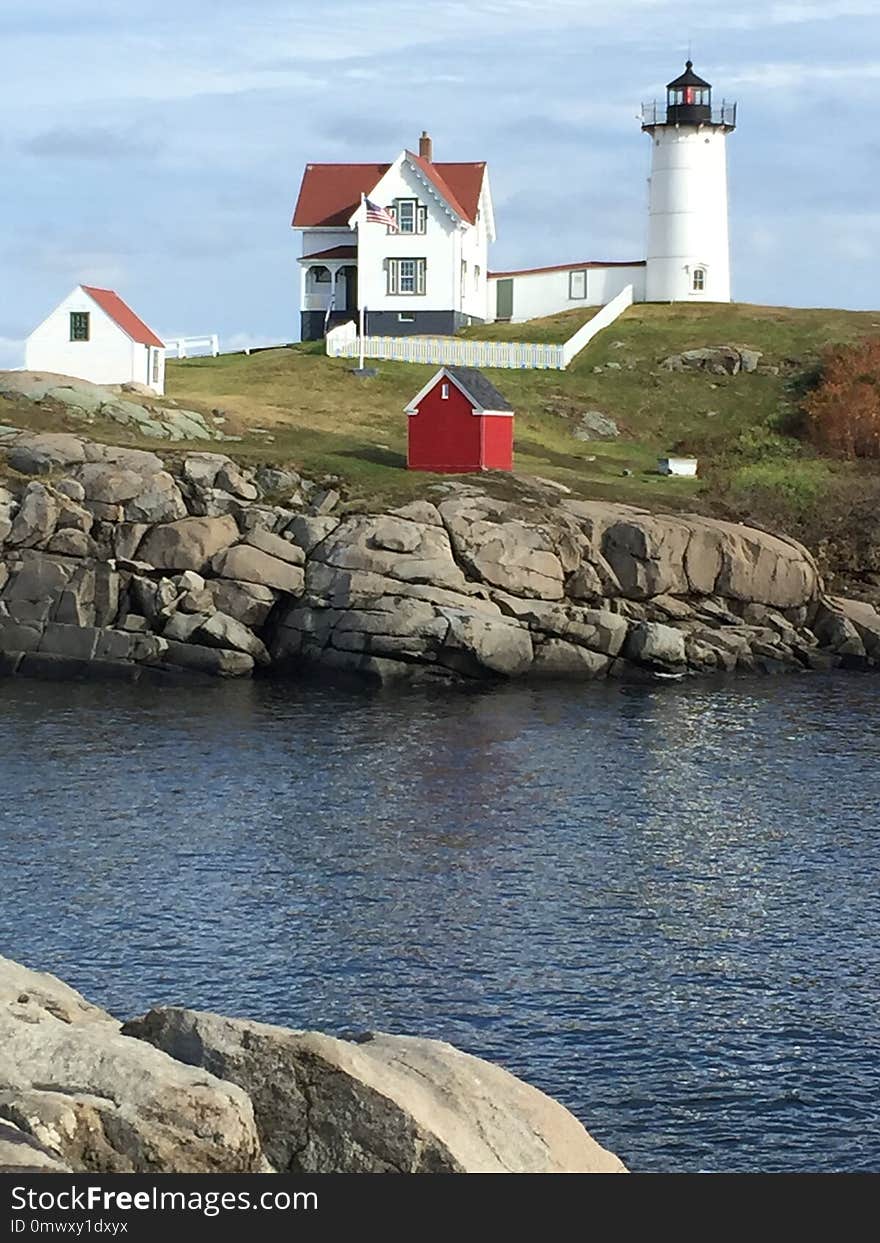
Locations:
(688, 246)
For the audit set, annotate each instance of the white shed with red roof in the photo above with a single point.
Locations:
(94, 335)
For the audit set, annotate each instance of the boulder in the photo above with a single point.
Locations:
(655, 645)
(248, 603)
(141, 461)
(209, 660)
(231, 478)
(384, 1104)
(202, 469)
(42, 453)
(502, 550)
(36, 517)
(594, 425)
(279, 482)
(250, 565)
(70, 542)
(497, 644)
(220, 630)
(188, 544)
(106, 1104)
(275, 546)
(108, 483)
(159, 501)
(82, 400)
(555, 658)
(323, 502)
(46, 993)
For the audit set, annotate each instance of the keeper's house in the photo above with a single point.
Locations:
(428, 275)
(458, 423)
(94, 335)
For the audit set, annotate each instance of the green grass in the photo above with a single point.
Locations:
(294, 405)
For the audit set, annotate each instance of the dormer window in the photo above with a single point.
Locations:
(698, 280)
(411, 216)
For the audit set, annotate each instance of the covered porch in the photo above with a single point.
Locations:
(328, 282)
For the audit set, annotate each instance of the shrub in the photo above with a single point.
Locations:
(843, 410)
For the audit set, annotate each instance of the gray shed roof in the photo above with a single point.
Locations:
(481, 391)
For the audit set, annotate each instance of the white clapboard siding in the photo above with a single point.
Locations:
(343, 342)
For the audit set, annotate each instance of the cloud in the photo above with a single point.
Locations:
(95, 143)
(211, 109)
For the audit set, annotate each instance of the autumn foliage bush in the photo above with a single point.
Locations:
(843, 410)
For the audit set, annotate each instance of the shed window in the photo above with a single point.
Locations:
(444, 391)
(577, 284)
(699, 280)
(155, 366)
(79, 325)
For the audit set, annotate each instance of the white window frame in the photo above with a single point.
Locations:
(572, 285)
(155, 367)
(396, 277)
(476, 276)
(698, 280)
(405, 317)
(418, 220)
(444, 391)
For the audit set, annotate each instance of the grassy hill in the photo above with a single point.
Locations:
(296, 404)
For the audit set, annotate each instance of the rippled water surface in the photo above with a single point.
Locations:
(659, 905)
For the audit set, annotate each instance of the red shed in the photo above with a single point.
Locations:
(460, 422)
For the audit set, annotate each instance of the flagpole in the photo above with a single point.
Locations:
(361, 308)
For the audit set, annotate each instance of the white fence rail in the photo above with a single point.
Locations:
(343, 342)
(180, 347)
(608, 314)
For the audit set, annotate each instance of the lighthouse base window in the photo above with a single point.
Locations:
(698, 280)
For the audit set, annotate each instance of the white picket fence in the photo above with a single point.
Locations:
(343, 342)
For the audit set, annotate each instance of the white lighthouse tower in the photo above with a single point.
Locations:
(688, 247)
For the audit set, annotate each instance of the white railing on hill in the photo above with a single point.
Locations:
(608, 314)
(180, 347)
(343, 342)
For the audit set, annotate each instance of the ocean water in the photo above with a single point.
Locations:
(660, 905)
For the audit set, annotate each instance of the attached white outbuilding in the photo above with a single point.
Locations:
(94, 335)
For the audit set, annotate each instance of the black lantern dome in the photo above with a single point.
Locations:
(688, 99)
(689, 102)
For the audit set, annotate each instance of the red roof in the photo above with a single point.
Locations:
(123, 315)
(335, 252)
(572, 267)
(330, 193)
(458, 184)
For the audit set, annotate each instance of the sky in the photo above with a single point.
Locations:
(158, 148)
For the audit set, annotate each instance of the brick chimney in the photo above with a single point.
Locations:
(426, 147)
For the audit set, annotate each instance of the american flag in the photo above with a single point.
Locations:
(379, 215)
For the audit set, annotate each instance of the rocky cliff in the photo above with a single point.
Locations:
(179, 1091)
(115, 562)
